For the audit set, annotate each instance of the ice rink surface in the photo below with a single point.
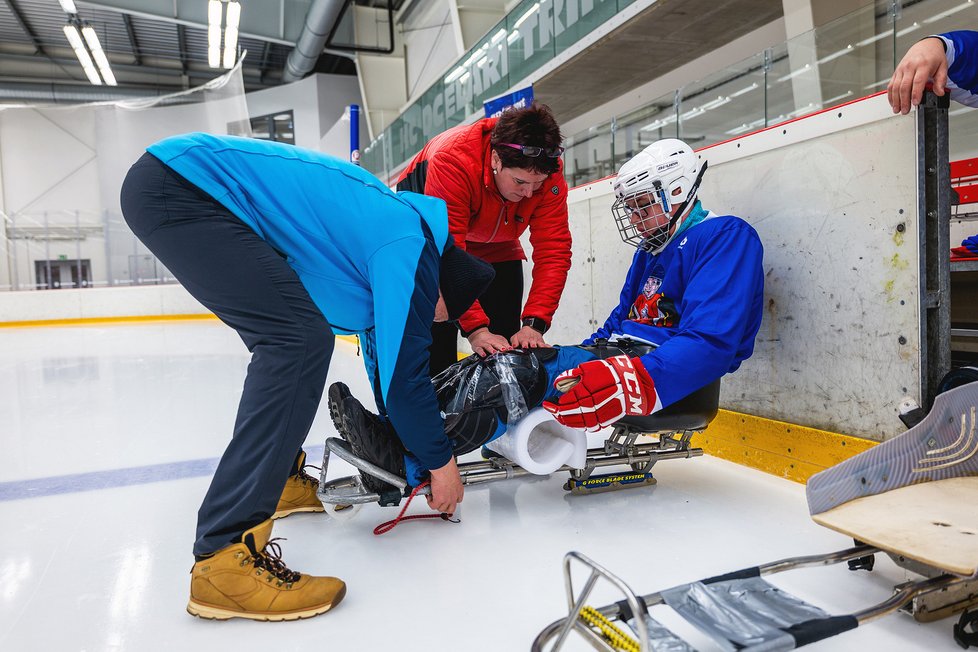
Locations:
(109, 434)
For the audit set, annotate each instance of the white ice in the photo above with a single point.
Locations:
(108, 568)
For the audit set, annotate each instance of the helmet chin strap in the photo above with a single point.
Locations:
(690, 197)
(681, 211)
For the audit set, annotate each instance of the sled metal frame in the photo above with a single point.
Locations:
(619, 449)
(910, 595)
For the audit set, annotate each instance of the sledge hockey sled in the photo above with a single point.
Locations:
(671, 428)
(912, 498)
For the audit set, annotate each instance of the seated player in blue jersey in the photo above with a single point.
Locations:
(690, 308)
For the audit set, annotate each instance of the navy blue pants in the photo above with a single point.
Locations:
(249, 286)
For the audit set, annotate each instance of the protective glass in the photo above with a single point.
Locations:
(533, 151)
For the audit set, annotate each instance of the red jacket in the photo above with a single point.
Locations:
(454, 166)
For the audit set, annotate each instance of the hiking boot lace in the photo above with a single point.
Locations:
(270, 559)
(304, 477)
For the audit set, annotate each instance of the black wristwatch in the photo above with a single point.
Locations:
(536, 324)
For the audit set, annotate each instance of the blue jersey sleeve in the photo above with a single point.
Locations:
(721, 311)
(962, 62)
(404, 279)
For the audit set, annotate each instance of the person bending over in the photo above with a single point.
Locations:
(288, 246)
(500, 177)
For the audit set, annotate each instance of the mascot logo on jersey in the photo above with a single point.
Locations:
(654, 308)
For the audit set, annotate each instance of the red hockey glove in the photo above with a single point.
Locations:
(600, 392)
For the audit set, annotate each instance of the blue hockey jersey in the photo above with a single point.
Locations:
(368, 257)
(700, 300)
(962, 65)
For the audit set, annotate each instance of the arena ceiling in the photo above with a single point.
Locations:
(154, 46)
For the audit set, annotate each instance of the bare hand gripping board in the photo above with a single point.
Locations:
(914, 495)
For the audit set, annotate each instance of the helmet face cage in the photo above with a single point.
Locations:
(630, 212)
(665, 174)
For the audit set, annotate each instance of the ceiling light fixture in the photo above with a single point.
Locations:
(91, 38)
(214, 10)
(231, 34)
(75, 39)
(231, 19)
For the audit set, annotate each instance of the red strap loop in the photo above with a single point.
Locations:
(387, 526)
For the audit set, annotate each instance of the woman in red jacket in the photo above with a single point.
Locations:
(500, 176)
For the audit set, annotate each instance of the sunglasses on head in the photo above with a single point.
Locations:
(533, 151)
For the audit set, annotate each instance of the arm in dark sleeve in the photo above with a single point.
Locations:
(404, 281)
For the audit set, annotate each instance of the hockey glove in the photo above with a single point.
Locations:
(600, 392)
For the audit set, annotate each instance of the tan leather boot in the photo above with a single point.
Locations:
(249, 580)
(299, 494)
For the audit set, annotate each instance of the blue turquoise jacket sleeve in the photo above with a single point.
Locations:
(962, 65)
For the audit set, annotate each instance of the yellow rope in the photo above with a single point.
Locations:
(615, 637)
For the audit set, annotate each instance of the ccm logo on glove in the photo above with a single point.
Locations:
(600, 392)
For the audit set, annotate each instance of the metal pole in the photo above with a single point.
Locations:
(78, 239)
(767, 68)
(47, 250)
(896, 8)
(677, 100)
(15, 273)
(934, 217)
(355, 134)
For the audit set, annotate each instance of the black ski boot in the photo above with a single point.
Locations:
(371, 438)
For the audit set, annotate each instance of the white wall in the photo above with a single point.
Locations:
(63, 166)
(430, 44)
(336, 93)
(145, 301)
(827, 195)
(317, 103)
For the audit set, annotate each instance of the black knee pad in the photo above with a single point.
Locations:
(477, 394)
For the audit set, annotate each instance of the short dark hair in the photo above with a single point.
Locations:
(535, 125)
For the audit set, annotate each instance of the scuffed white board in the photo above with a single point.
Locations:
(834, 200)
(825, 194)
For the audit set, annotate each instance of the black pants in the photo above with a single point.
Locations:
(245, 282)
(502, 303)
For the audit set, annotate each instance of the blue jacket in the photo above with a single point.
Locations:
(962, 65)
(368, 257)
(700, 300)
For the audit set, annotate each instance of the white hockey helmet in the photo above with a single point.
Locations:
(664, 175)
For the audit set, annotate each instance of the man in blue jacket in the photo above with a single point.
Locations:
(949, 60)
(289, 246)
(688, 313)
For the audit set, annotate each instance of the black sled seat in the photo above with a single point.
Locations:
(694, 412)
